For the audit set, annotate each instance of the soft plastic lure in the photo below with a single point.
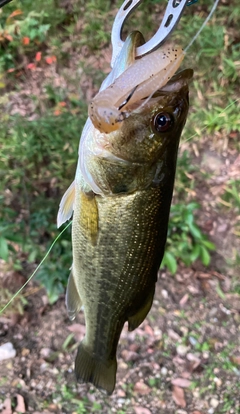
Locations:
(147, 75)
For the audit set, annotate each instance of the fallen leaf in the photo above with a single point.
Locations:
(149, 330)
(8, 37)
(192, 357)
(205, 285)
(218, 275)
(50, 59)
(197, 412)
(4, 320)
(195, 361)
(174, 335)
(202, 275)
(130, 355)
(140, 332)
(20, 407)
(181, 382)
(16, 12)
(141, 388)
(184, 300)
(6, 407)
(31, 66)
(186, 374)
(121, 393)
(178, 361)
(235, 360)
(25, 40)
(53, 407)
(132, 347)
(142, 410)
(42, 412)
(178, 396)
(78, 330)
(38, 56)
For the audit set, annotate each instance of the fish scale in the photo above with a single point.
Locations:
(119, 261)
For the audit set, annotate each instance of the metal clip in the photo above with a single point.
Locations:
(3, 2)
(171, 18)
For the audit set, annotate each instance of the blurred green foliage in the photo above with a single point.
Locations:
(186, 242)
(38, 154)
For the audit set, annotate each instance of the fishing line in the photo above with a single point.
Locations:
(203, 25)
(185, 50)
(214, 119)
(37, 268)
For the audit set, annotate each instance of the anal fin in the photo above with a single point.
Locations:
(73, 300)
(135, 320)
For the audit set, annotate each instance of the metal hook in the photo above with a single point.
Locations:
(171, 18)
(3, 2)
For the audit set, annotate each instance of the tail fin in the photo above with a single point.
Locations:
(89, 369)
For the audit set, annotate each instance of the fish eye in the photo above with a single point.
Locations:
(162, 122)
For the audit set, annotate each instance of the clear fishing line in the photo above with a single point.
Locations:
(203, 25)
(37, 268)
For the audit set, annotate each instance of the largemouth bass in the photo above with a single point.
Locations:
(121, 199)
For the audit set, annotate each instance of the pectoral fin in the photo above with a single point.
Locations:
(73, 300)
(66, 206)
(135, 320)
(89, 216)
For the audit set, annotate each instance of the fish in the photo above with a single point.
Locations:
(120, 200)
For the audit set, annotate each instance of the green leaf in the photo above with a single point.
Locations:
(4, 249)
(205, 256)
(209, 245)
(195, 231)
(220, 292)
(195, 253)
(170, 262)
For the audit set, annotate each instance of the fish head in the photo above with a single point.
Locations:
(144, 148)
(152, 125)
